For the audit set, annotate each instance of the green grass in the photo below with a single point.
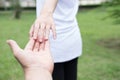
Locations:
(96, 63)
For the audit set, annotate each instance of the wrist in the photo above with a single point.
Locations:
(46, 14)
(34, 69)
(37, 74)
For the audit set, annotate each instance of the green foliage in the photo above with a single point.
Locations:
(15, 4)
(114, 9)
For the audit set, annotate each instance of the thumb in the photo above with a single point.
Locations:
(14, 46)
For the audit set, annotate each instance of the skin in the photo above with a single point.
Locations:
(40, 30)
(36, 62)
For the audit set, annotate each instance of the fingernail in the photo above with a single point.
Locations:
(40, 40)
(46, 37)
(34, 37)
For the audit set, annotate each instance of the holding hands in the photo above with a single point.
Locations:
(36, 59)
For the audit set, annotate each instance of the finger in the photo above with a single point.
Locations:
(31, 31)
(36, 47)
(47, 45)
(47, 32)
(54, 31)
(41, 32)
(14, 46)
(36, 29)
(30, 44)
(42, 46)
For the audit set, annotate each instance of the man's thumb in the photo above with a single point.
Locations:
(14, 46)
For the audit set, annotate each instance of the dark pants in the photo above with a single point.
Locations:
(66, 70)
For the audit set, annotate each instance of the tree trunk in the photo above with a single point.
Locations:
(17, 9)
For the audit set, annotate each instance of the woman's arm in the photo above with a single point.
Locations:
(49, 7)
(45, 22)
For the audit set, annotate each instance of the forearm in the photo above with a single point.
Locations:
(49, 7)
(37, 74)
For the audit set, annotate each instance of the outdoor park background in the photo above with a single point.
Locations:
(101, 44)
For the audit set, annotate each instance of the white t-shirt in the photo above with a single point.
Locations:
(68, 44)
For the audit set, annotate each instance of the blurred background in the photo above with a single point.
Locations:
(99, 22)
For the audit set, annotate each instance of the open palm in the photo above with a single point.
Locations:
(33, 56)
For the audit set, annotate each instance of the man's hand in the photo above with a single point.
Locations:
(33, 56)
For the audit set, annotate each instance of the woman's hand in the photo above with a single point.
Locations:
(40, 30)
